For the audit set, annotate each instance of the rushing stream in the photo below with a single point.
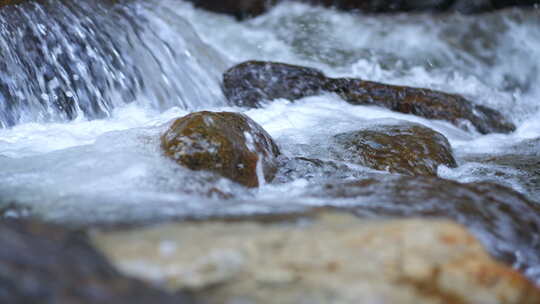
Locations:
(86, 90)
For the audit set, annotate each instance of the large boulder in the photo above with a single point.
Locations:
(230, 144)
(501, 217)
(46, 264)
(410, 149)
(325, 258)
(250, 83)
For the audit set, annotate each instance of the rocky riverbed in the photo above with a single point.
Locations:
(292, 152)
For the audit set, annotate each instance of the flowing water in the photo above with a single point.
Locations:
(86, 89)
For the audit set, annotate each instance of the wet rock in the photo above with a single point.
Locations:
(502, 218)
(230, 144)
(312, 169)
(386, 6)
(389, 6)
(530, 147)
(249, 8)
(422, 102)
(41, 263)
(250, 83)
(522, 167)
(8, 2)
(479, 6)
(241, 9)
(410, 149)
(13, 210)
(332, 258)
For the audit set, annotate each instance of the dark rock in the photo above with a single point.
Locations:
(250, 83)
(503, 219)
(250, 8)
(479, 6)
(386, 6)
(241, 9)
(410, 149)
(422, 102)
(46, 264)
(230, 144)
(9, 2)
(12, 210)
(312, 169)
(391, 6)
(525, 169)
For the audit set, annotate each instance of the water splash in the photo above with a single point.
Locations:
(63, 60)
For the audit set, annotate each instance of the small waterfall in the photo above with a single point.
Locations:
(62, 60)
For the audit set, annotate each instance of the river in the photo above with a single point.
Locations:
(86, 89)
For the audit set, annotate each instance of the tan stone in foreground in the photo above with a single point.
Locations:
(335, 258)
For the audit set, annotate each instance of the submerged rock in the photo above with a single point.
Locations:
(230, 144)
(522, 167)
(250, 83)
(314, 170)
(503, 218)
(46, 264)
(332, 258)
(410, 149)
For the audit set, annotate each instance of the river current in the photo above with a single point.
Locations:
(86, 90)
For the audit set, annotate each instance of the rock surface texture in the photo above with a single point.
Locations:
(251, 83)
(333, 258)
(230, 144)
(499, 215)
(410, 149)
(250, 8)
(45, 264)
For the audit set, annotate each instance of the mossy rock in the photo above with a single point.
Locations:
(230, 144)
(410, 149)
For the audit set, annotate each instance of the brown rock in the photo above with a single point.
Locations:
(410, 149)
(422, 102)
(46, 264)
(11, 2)
(334, 258)
(250, 83)
(502, 217)
(230, 144)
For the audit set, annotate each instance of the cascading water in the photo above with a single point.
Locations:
(86, 89)
(69, 59)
